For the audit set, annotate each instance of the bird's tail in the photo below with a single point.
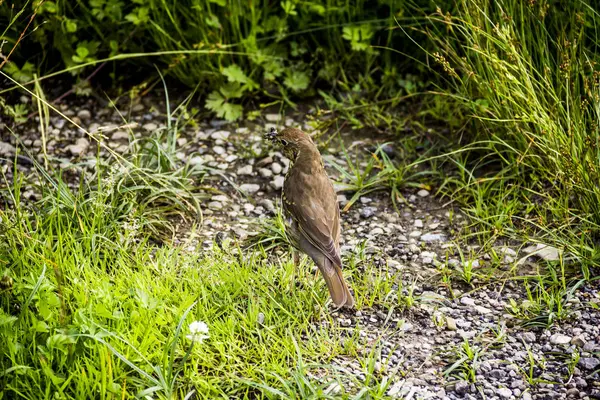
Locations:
(338, 289)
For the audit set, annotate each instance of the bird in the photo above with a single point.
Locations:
(311, 210)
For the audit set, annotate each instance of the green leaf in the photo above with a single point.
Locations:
(59, 342)
(217, 103)
(358, 36)
(297, 80)
(71, 25)
(221, 3)
(49, 7)
(235, 74)
(289, 7)
(213, 21)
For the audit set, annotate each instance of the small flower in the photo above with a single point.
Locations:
(198, 331)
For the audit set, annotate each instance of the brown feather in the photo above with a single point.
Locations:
(311, 202)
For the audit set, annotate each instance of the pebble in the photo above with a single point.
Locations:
(433, 237)
(367, 212)
(528, 337)
(423, 193)
(277, 183)
(267, 204)
(264, 162)
(504, 393)
(589, 363)
(418, 224)
(6, 149)
(215, 205)
(220, 135)
(558, 338)
(482, 310)
(273, 117)
(245, 170)
(461, 387)
(196, 160)
(250, 188)
(150, 126)
(84, 114)
(276, 168)
(376, 231)
(451, 324)
(265, 173)
(467, 301)
(218, 150)
(79, 148)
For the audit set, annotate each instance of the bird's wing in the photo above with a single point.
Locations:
(311, 199)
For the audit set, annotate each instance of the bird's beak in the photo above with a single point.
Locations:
(271, 134)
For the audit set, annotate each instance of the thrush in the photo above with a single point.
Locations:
(312, 211)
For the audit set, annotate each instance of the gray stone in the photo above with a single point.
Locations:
(451, 324)
(504, 393)
(589, 363)
(215, 205)
(423, 193)
(367, 212)
(84, 114)
(277, 183)
(433, 237)
(558, 338)
(376, 231)
(79, 148)
(150, 126)
(265, 173)
(276, 168)
(218, 150)
(482, 310)
(528, 337)
(418, 224)
(267, 204)
(467, 301)
(273, 117)
(196, 160)
(220, 135)
(120, 135)
(245, 170)
(250, 188)
(461, 387)
(6, 149)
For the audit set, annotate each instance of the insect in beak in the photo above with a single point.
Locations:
(271, 135)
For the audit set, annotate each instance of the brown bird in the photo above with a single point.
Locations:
(312, 211)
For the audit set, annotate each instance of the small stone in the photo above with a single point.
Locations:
(578, 341)
(461, 387)
(467, 301)
(265, 173)
(451, 324)
(277, 183)
(418, 224)
(573, 392)
(544, 252)
(120, 135)
(215, 205)
(414, 234)
(196, 160)
(273, 117)
(367, 212)
(558, 338)
(250, 188)
(589, 363)
(376, 231)
(6, 149)
(249, 207)
(267, 204)
(433, 237)
(79, 148)
(504, 393)
(276, 168)
(245, 170)
(497, 373)
(150, 126)
(482, 310)
(220, 135)
(218, 150)
(423, 193)
(528, 337)
(84, 114)
(261, 318)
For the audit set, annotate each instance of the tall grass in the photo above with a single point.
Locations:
(527, 73)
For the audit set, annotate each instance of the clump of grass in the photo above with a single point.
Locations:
(527, 73)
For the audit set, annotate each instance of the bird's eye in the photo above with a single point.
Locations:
(284, 142)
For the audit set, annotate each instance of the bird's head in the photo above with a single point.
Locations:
(291, 140)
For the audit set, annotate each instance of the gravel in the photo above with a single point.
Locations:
(411, 249)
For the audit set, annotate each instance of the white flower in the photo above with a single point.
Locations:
(198, 331)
